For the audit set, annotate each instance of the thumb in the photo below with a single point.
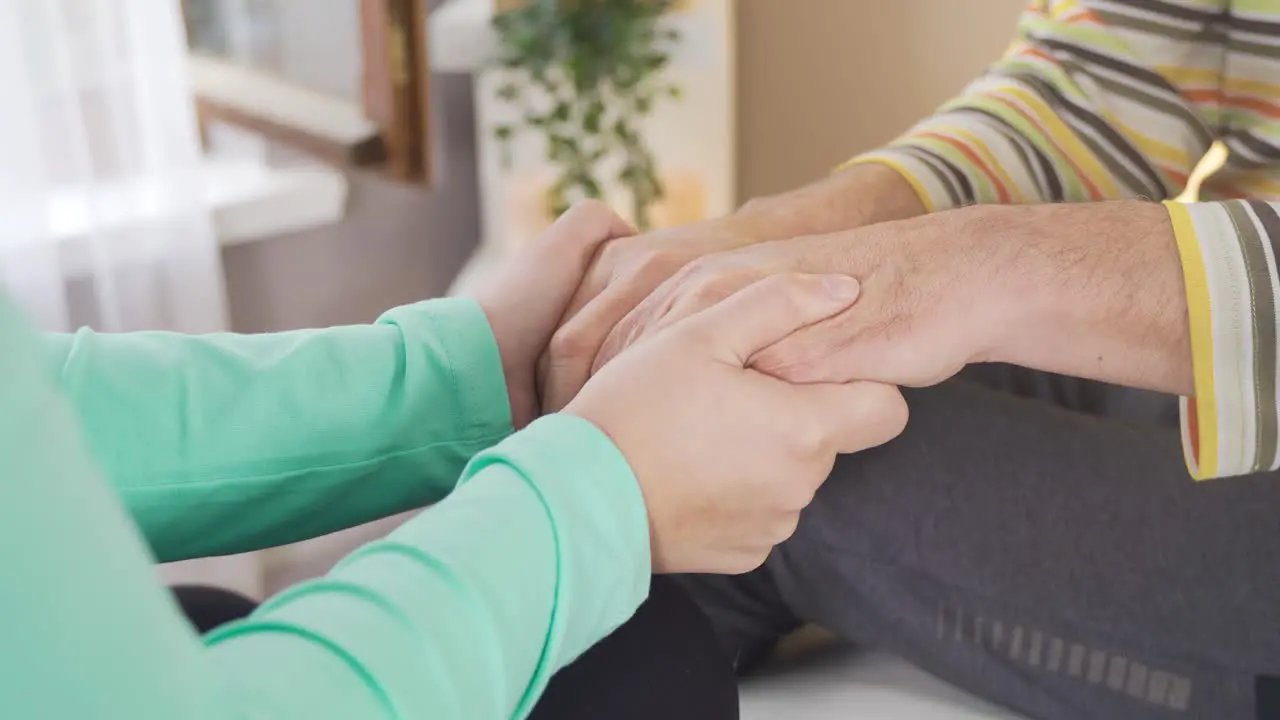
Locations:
(767, 311)
(582, 228)
(854, 416)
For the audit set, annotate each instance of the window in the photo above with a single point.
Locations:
(345, 80)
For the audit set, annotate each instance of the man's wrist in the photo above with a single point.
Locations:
(1095, 290)
(883, 193)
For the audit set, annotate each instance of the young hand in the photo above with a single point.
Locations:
(726, 456)
(525, 299)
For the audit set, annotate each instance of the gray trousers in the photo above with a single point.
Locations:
(1037, 541)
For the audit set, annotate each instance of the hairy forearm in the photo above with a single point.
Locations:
(1093, 290)
(1099, 291)
(854, 197)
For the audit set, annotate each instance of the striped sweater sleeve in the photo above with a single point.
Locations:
(1246, 102)
(1229, 266)
(1229, 252)
(1109, 99)
(1090, 102)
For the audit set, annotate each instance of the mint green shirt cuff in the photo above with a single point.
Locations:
(455, 333)
(224, 443)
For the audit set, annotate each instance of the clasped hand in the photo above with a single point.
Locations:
(725, 456)
(928, 305)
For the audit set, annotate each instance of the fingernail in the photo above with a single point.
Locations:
(840, 287)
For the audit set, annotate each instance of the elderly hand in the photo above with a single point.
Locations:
(628, 270)
(936, 293)
(623, 273)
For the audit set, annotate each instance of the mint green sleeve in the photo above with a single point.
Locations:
(224, 443)
(464, 612)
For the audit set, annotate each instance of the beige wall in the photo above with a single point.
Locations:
(819, 80)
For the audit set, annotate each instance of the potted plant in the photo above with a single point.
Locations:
(585, 74)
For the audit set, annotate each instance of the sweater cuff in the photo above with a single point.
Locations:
(1229, 271)
(928, 186)
(457, 331)
(952, 161)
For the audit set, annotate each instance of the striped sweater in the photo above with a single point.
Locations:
(1110, 99)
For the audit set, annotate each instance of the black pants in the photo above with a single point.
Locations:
(665, 663)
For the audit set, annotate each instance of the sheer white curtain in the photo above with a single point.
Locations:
(102, 215)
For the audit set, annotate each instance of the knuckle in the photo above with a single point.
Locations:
(786, 527)
(676, 264)
(776, 285)
(623, 336)
(898, 415)
(701, 265)
(709, 289)
(790, 291)
(800, 369)
(891, 408)
(591, 207)
(593, 214)
(809, 439)
(887, 412)
(659, 256)
(691, 336)
(586, 220)
(801, 495)
(568, 343)
(613, 253)
(641, 319)
(623, 253)
(788, 360)
(747, 561)
(650, 265)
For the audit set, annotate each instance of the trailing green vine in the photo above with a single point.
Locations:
(585, 73)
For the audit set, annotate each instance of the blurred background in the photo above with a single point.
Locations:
(262, 165)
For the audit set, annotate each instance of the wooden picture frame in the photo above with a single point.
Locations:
(389, 126)
(397, 82)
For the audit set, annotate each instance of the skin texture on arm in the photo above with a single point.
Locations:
(1046, 287)
(1103, 297)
